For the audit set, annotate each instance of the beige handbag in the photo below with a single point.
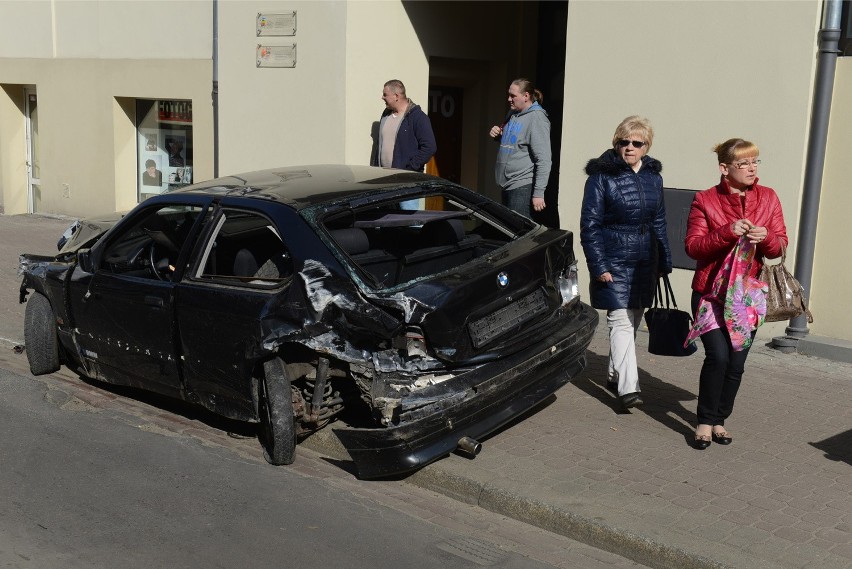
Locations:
(786, 297)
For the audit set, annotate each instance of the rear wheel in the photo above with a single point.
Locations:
(40, 335)
(278, 429)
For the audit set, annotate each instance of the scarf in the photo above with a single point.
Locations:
(737, 301)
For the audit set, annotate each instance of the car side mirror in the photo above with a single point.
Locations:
(84, 260)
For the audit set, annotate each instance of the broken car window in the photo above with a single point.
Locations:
(245, 249)
(150, 247)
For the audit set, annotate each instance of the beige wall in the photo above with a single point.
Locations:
(832, 274)
(84, 143)
(322, 110)
(702, 72)
(113, 29)
(88, 61)
(375, 52)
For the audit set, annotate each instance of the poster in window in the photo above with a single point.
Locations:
(151, 161)
(175, 146)
(153, 173)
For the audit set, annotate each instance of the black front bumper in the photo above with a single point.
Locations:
(499, 392)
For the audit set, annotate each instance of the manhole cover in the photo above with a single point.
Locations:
(479, 552)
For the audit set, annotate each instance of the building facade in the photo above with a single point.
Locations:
(105, 102)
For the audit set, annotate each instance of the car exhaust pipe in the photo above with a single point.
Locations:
(469, 446)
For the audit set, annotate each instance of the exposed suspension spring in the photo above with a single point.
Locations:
(321, 402)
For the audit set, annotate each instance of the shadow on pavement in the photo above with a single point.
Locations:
(189, 411)
(663, 401)
(837, 447)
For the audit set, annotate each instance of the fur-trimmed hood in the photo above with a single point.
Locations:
(610, 163)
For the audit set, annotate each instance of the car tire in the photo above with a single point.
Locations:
(278, 428)
(42, 344)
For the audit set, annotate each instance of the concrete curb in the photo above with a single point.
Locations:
(581, 528)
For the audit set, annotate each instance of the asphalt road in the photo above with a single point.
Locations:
(86, 490)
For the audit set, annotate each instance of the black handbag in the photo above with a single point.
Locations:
(668, 326)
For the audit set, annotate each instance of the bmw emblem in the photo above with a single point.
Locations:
(502, 280)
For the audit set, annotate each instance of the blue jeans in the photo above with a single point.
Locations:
(519, 199)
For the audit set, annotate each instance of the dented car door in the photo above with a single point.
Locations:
(124, 310)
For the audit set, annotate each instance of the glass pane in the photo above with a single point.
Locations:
(164, 145)
(34, 137)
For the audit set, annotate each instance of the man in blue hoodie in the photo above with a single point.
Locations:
(524, 159)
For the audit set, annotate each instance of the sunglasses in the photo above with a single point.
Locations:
(636, 143)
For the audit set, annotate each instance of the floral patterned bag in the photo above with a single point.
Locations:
(737, 301)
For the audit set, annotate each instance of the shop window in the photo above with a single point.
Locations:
(845, 43)
(164, 145)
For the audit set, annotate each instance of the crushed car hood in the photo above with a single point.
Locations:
(84, 232)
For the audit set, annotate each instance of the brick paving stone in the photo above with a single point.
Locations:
(745, 537)
(793, 534)
(843, 550)
(833, 535)
(766, 503)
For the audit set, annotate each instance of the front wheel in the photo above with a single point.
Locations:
(278, 428)
(40, 337)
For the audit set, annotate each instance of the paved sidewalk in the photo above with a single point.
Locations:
(779, 497)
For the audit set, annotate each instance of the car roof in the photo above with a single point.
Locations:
(304, 186)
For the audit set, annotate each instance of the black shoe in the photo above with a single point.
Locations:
(722, 438)
(630, 400)
(701, 442)
(612, 386)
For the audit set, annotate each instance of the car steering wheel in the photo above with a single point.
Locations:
(161, 268)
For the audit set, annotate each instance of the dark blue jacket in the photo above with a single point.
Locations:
(415, 141)
(623, 231)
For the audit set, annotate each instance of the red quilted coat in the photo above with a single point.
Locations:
(709, 237)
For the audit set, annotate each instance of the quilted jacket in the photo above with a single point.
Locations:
(623, 231)
(709, 237)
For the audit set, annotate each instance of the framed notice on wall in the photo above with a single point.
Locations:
(276, 55)
(283, 24)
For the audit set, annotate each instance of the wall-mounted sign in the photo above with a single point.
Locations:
(174, 111)
(276, 24)
(276, 55)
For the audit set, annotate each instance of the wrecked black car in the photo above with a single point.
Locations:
(286, 296)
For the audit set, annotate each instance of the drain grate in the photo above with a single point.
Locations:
(476, 551)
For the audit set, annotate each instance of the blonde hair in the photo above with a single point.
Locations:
(735, 149)
(634, 125)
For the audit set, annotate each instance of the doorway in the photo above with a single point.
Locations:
(33, 154)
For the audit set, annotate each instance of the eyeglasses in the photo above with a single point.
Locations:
(745, 164)
(635, 143)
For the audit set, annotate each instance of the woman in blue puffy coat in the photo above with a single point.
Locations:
(623, 233)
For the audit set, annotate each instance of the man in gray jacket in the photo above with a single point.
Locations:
(524, 158)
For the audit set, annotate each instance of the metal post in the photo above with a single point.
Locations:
(829, 35)
(215, 93)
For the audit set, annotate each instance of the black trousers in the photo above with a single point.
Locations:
(721, 374)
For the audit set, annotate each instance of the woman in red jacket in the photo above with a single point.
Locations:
(738, 212)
